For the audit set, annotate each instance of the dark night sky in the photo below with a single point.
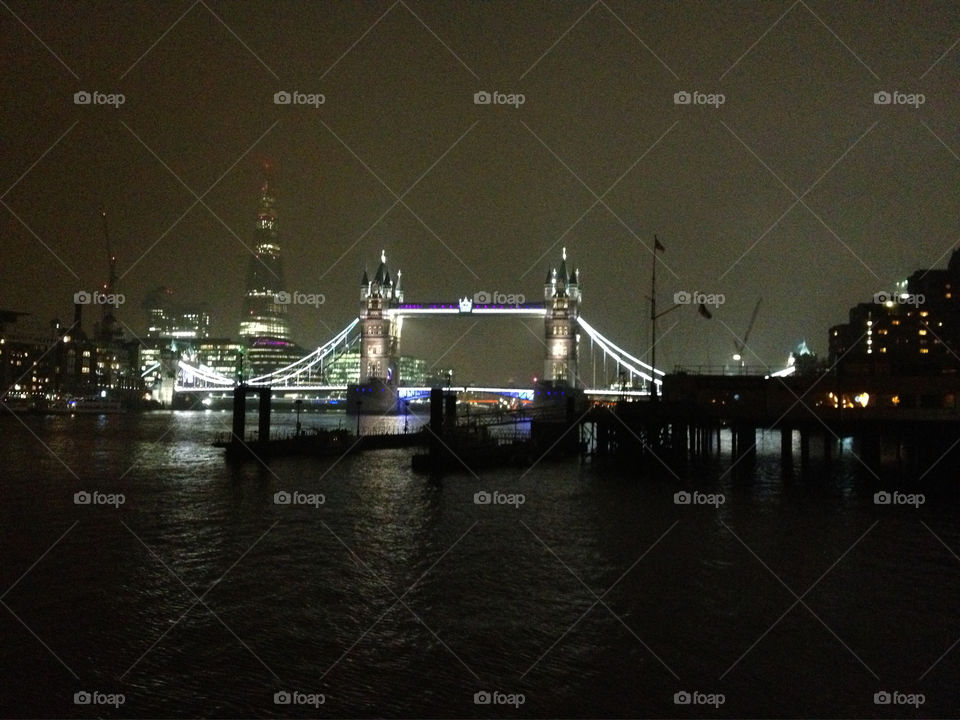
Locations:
(878, 183)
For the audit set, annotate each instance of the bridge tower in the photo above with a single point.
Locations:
(379, 343)
(561, 292)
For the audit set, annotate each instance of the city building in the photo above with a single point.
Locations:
(30, 357)
(345, 370)
(44, 363)
(263, 316)
(168, 319)
(913, 329)
(263, 326)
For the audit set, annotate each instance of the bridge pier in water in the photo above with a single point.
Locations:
(239, 424)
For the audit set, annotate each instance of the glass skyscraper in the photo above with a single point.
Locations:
(263, 317)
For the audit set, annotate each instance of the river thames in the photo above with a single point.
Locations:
(143, 576)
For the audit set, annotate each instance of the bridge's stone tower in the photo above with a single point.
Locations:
(379, 331)
(561, 293)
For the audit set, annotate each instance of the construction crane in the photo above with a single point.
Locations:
(108, 323)
(111, 285)
(739, 345)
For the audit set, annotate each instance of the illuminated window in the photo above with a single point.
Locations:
(924, 351)
(894, 322)
(921, 332)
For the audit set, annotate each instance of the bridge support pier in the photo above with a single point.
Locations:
(449, 410)
(264, 414)
(786, 445)
(239, 413)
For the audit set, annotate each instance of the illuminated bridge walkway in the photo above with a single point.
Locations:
(309, 373)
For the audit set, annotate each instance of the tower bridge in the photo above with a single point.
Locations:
(378, 331)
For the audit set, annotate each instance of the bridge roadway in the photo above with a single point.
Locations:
(415, 392)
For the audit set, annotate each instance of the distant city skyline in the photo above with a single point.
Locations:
(804, 153)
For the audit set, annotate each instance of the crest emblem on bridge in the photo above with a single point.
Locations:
(466, 305)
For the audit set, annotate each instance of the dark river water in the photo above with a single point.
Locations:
(578, 591)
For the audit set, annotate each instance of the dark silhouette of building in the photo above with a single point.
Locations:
(911, 330)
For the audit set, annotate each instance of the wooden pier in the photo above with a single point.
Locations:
(904, 425)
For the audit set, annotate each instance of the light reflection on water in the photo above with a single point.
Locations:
(399, 596)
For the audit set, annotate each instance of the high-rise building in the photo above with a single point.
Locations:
(263, 327)
(263, 315)
(167, 319)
